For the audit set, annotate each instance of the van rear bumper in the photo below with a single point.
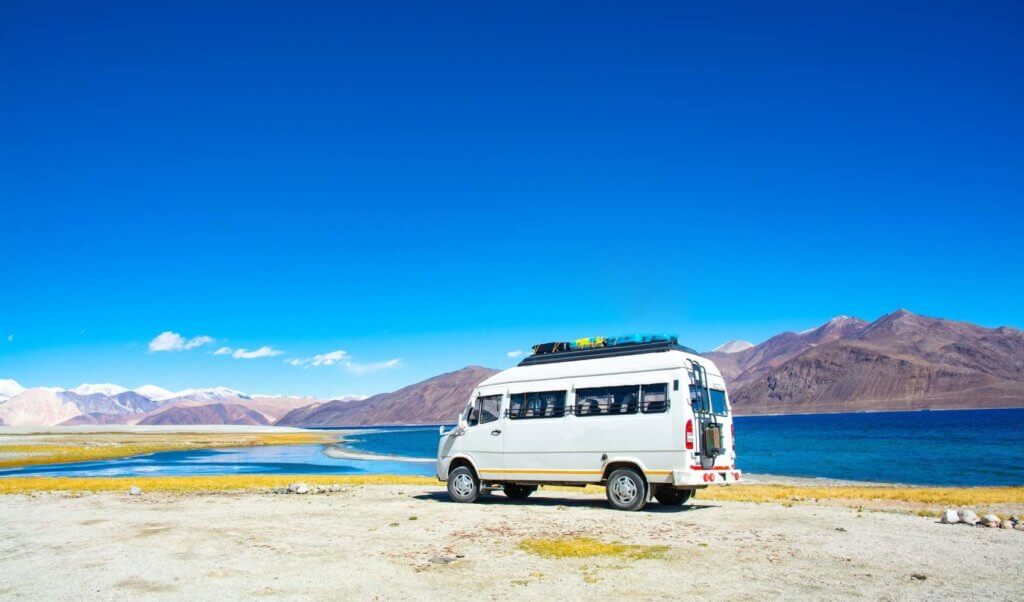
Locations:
(719, 475)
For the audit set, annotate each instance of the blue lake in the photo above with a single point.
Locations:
(970, 447)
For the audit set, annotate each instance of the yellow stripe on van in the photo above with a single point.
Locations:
(554, 471)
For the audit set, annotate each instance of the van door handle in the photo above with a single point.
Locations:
(496, 432)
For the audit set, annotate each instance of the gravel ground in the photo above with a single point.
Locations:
(381, 542)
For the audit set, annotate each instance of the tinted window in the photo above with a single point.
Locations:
(607, 400)
(654, 399)
(490, 406)
(718, 405)
(546, 404)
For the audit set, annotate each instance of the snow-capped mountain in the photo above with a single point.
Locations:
(9, 388)
(210, 394)
(105, 389)
(40, 406)
(733, 346)
(154, 392)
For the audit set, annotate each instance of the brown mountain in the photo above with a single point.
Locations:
(902, 361)
(213, 413)
(433, 401)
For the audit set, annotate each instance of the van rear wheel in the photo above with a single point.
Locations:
(518, 492)
(668, 496)
(463, 486)
(627, 490)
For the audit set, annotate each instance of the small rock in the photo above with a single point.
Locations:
(1019, 526)
(841, 529)
(301, 489)
(460, 555)
(294, 488)
(992, 524)
(335, 488)
(1006, 524)
(968, 517)
(991, 518)
(918, 577)
(950, 517)
(134, 491)
(320, 489)
(442, 559)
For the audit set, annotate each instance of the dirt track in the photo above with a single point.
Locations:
(410, 542)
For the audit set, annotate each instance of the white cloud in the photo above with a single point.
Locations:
(172, 341)
(515, 353)
(10, 338)
(343, 359)
(329, 359)
(264, 351)
(359, 369)
(223, 351)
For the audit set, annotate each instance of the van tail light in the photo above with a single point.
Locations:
(732, 435)
(689, 434)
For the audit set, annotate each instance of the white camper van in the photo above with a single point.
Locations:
(641, 415)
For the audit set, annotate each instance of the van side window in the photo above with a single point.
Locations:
(490, 408)
(473, 414)
(546, 404)
(607, 400)
(654, 399)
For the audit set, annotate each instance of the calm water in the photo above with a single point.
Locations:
(971, 447)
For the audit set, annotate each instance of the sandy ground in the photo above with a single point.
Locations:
(382, 542)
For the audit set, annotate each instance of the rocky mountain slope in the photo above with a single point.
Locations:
(212, 413)
(433, 401)
(902, 361)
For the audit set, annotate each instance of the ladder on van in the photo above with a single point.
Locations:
(711, 440)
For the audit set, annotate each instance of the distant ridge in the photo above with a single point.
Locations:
(435, 400)
(901, 361)
(733, 346)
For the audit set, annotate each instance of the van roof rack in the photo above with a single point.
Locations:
(549, 353)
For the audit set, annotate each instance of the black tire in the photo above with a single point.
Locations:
(518, 492)
(463, 486)
(668, 496)
(626, 490)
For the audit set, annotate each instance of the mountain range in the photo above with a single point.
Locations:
(901, 361)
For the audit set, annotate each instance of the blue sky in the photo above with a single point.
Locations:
(445, 184)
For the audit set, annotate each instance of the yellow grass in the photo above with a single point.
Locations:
(53, 449)
(586, 547)
(942, 496)
(204, 484)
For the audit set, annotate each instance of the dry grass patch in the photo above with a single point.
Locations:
(61, 448)
(940, 496)
(204, 484)
(587, 547)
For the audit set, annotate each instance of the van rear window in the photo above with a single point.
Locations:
(545, 404)
(718, 405)
(717, 399)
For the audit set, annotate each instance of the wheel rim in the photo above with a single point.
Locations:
(463, 485)
(624, 490)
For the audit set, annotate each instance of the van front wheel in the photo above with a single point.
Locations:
(463, 486)
(667, 496)
(627, 490)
